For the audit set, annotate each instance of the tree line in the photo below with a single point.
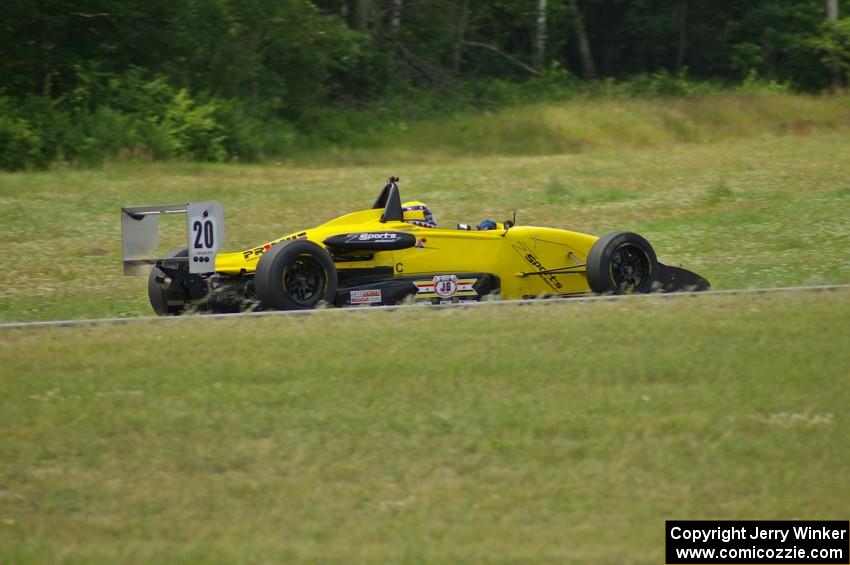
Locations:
(209, 78)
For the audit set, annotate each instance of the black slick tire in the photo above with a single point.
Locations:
(295, 275)
(171, 301)
(621, 263)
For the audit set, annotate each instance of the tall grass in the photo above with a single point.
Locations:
(582, 124)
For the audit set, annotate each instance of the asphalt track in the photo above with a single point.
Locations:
(484, 304)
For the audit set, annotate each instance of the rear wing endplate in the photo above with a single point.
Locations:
(140, 235)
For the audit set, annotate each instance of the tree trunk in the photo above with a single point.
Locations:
(363, 15)
(832, 10)
(583, 45)
(395, 16)
(461, 35)
(832, 17)
(540, 37)
(507, 56)
(682, 13)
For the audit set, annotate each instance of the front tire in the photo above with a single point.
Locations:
(295, 275)
(621, 263)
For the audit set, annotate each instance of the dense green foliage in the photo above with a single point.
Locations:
(224, 80)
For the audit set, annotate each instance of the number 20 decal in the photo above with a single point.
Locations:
(203, 230)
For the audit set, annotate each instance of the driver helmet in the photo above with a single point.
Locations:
(417, 213)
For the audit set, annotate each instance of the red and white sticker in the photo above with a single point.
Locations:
(365, 296)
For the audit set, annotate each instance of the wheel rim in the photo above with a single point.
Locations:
(630, 267)
(304, 281)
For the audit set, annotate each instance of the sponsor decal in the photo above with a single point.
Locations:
(399, 267)
(535, 263)
(371, 240)
(445, 286)
(372, 296)
(254, 254)
(380, 237)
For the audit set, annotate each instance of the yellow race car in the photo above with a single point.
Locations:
(386, 255)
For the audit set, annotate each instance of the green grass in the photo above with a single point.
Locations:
(545, 433)
(760, 204)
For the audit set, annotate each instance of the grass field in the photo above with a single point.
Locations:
(545, 433)
(759, 210)
(539, 433)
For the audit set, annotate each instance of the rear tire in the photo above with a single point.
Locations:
(171, 301)
(621, 263)
(295, 275)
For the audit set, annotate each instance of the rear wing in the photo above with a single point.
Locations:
(140, 235)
